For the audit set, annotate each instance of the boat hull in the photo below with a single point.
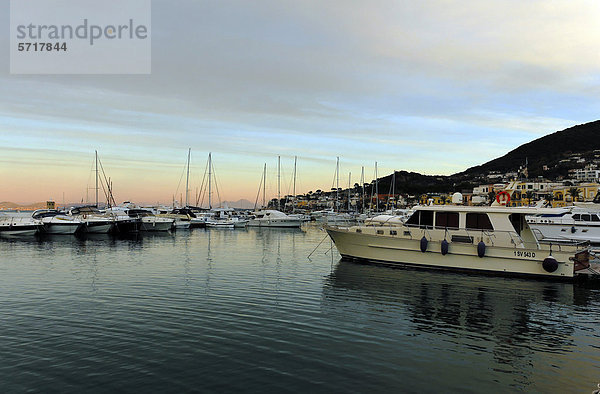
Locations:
(275, 223)
(182, 225)
(402, 251)
(97, 227)
(156, 225)
(219, 225)
(128, 226)
(61, 228)
(20, 230)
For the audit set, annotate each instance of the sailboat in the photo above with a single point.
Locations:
(182, 216)
(94, 222)
(334, 216)
(272, 217)
(220, 217)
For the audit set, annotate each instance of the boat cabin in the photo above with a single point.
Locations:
(468, 220)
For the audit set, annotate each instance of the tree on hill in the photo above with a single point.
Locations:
(574, 192)
(529, 195)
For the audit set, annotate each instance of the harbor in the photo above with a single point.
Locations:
(246, 310)
(298, 197)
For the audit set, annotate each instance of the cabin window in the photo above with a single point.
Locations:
(446, 220)
(423, 219)
(586, 218)
(595, 218)
(426, 219)
(379, 231)
(478, 221)
(393, 232)
(577, 217)
(517, 222)
(413, 220)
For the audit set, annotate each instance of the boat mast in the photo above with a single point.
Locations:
(362, 182)
(278, 182)
(349, 180)
(337, 182)
(96, 179)
(294, 195)
(392, 191)
(265, 186)
(376, 190)
(187, 179)
(209, 180)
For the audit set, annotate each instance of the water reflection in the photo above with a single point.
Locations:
(514, 320)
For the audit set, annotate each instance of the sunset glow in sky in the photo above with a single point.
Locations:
(428, 86)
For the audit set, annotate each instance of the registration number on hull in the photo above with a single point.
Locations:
(519, 253)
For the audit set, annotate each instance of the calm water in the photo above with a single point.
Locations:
(245, 310)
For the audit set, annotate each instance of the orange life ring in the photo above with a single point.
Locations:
(505, 200)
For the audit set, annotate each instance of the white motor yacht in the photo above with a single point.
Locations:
(273, 218)
(226, 217)
(94, 222)
(567, 224)
(487, 239)
(56, 222)
(151, 222)
(182, 218)
(124, 223)
(15, 226)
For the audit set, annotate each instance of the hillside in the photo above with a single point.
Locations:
(13, 205)
(581, 140)
(548, 150)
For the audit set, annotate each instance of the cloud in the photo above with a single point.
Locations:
(385, 80)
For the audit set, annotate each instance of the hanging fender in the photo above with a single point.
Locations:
(550, 264)
(481, 249)
(424, 243)
(445, 247)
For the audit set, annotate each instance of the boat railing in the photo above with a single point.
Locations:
(559, 241)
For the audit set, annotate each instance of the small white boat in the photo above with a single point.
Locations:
(567, 224)
(94, 222)
(220, 224)
(182, 224)
(226, 218)
(182, 218)
(124, 223)
(151, 222)
(273, 218)
(56, 222)
(15, 226)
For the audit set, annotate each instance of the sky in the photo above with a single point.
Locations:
(433, 86)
